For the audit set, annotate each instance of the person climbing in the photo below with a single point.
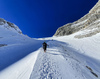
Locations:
(45, 46)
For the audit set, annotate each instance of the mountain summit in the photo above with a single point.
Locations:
(89, 23)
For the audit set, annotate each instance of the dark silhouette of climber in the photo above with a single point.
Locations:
(45, 46)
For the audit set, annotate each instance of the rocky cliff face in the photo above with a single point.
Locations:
(9, 26)
(88, 24)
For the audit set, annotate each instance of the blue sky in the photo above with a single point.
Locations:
(41, 18)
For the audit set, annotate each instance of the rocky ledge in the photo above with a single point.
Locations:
(89, 23)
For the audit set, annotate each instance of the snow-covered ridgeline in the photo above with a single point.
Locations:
(9, 26)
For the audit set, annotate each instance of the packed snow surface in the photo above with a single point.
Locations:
(66, 57)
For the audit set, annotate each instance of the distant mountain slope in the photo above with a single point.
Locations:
(14, 46)
(10, 26)
(90, 23)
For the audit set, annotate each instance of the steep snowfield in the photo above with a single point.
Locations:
(16, 57)
(20, 70)
(89, 46)
(62, 61)
(67, 57)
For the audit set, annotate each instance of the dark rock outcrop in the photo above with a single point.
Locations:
(90, 21)
(1, 45)
(2, 21)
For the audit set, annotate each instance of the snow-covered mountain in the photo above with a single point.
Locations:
(67, 57)
(10, 26)
(88, 24)
(14, 46)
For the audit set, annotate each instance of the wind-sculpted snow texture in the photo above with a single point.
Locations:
(61, 62)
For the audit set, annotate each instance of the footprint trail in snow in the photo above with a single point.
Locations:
(59, 63)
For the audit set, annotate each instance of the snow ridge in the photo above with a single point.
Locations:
(10, 26)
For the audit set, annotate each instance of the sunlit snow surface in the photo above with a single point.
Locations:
(66, 57)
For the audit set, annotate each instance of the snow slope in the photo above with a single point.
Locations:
(89, 45)
(16, 55)
(67, 57)
(61, 62)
